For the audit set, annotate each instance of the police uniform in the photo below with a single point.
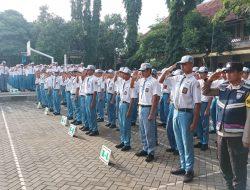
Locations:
(148, 87)
(232, 128)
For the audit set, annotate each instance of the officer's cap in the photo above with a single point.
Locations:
(145, 66)
(126, 70)
(218, 70)
(203, 70)
(234, 66)
(91, 67)
(245, 69)
(186, 59)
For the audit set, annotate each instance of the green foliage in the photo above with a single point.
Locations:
(111, 36)
(152, 47)
(178, 10)
(14, 33)
(133, 10)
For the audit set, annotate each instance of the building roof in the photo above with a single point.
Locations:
(210, 8)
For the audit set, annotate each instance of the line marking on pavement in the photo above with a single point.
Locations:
(20, 175)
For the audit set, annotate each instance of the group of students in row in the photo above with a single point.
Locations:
(181, 92)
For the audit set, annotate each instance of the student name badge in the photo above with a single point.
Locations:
(64, 121)
(72, 130)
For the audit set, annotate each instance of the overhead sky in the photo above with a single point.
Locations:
(151, 10)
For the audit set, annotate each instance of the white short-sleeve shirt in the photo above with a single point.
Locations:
(90, 85)
(187, 91)
(147, 89)
(126, 92)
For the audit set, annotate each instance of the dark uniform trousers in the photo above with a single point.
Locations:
(233, 158)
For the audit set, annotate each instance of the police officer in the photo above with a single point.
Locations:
(91, 95)
(149, 93)
(203, 125)
(187, 100)
(125, 110)
(233, 124)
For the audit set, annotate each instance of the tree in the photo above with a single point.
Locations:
(133, 10)
(95, 26)
(52, 37)
(178, 9)
(76, 9)
(200, 35)
(111, 36)
(152, 47)
(14, 34)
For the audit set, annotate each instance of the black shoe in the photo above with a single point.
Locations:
(204, 147)
(51, 110)
(212, 132)
(112, 127)
(78, 123)
(133, 124)
(95, 133)
(161, 124)
(170, 150)
(81, 128)
(157, 143)
(69, 118)
(56, 113)
(178, 171)
(117, 129)
(119, 145)
(73, 122)
(197, 145)
(188, 177)
(126, 148)
(150, 158)
(176, 153)
(88, 132)
(141, 153)
(108, 124)
(100, 120)
(85, 129)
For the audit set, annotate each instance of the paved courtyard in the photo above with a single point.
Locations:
(37, 153)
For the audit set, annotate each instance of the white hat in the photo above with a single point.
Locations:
(195, 69)
(90, 67)
(99, 71)
(111, 71)
(145, 66)
(203, 70)
(245, 69)
(121, 69)
(186, 59)
(127, 71)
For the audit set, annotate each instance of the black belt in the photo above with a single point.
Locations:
(89, 94)
(185, 110)
(125, 102)
(146, 106)
(73, 94)
(110, 93)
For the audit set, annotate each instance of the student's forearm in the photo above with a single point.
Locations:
(154, 104)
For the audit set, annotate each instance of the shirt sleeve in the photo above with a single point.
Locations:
(156, 88)
(196, 90)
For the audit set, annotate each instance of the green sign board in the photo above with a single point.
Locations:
(64, 121)
(72, 130)
(105, 154)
